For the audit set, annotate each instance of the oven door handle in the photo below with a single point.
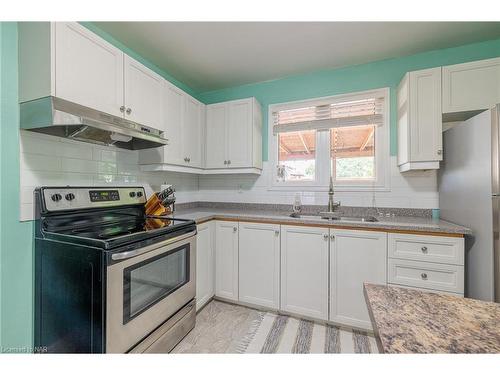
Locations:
(134, 253)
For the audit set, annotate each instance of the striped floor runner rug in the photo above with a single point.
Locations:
(272, 333)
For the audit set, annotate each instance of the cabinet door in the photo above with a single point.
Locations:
(143, 94)
(355, 257)
(173, 106)
(239, 134)
(259, 264)
(215, 155)
(192, 132)
(304, 271)
(88, 70)
(426, 130)
(205, 263)
(471, 86)
(226, 260)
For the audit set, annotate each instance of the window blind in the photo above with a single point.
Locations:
(335, 115)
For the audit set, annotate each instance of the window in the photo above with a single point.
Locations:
(297, 156)
(345, 137)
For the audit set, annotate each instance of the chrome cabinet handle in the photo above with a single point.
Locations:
(332, 237)
(234, 229)
(122, 109)
(225, 162)
(129, 111)
(186, 159)
(423, 276)
(326, 236)
(229, 162)
(439, 152)
(277, 232)
(424, 249)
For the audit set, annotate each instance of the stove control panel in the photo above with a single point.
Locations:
(73, 198)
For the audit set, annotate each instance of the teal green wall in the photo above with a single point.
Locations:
(385, 73)
(15, 238)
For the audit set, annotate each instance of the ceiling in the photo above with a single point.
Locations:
(213, 55)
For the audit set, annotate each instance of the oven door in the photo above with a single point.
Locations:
(146, 287)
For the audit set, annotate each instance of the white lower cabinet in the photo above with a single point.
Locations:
(355, 257)
(259, 264)
(304, 271)
(226, 260)
(205, 263)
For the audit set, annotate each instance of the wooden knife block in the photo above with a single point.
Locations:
(154, 207)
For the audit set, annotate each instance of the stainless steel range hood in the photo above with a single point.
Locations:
(58, 117)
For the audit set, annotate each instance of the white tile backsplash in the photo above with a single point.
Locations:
(51, 161)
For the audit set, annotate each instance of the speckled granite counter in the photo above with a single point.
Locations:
(404, 223)
(411, 321)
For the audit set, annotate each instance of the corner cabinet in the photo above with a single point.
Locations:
(226, 260)
(67, 60)
(234, 137)
(420, 120)
(183, 125)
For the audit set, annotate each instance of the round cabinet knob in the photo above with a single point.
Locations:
(326, 236)
(424, 249)
(229, 162)
(277, 232)
(332, 237)
(56, 197)
(225, 162)
(69, 196)
(139, 194)
(122, 109)
(439, 152)
(131, 194)
(234, 229)
(423, 276)
(129, 111)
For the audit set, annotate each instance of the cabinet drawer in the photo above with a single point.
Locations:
(445, 277)
(448, 250)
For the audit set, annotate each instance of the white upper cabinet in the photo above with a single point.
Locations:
(192, 132)
(183, 125)
(355, 257)
(420, 120)
(67, 60)
(216, 136)
(471, 86)
(234, 136)
(173, 108)
(143, 93)
(88, 70)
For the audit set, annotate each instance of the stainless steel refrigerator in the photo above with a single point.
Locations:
(469, 195)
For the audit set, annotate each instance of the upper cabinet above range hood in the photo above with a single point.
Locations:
(55, 116)
(74, 84)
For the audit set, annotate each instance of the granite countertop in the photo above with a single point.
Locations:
(422, 224)
(412, 321)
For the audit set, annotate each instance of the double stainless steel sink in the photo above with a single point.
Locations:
(370, 219)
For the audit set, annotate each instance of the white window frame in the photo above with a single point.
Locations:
(322, 173)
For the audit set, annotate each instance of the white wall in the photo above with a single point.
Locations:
(409, 190)
(52, 161)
